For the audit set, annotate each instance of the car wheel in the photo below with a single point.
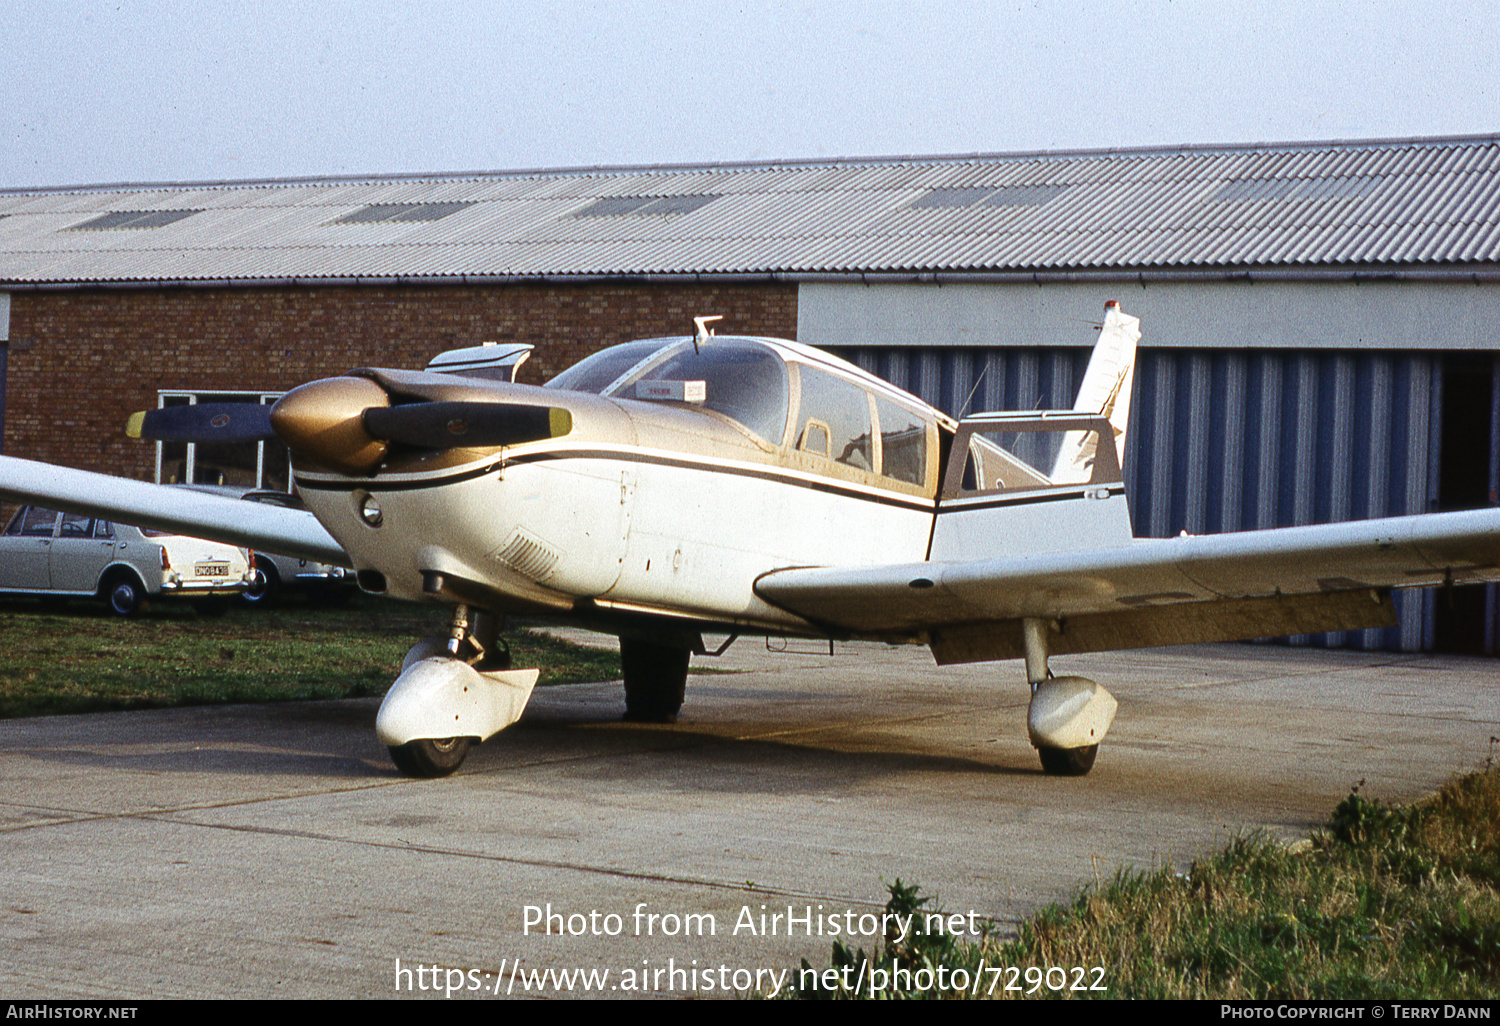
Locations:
(263, 588)
(125, 595)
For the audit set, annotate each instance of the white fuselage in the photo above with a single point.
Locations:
(676, 507)
(634, 529)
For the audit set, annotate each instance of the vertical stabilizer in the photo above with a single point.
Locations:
(1105, 391)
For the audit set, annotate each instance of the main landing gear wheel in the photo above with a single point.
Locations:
(430, 757)
(1068, 762)
(655, 680)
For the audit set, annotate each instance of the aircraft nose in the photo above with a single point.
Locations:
(323, 422)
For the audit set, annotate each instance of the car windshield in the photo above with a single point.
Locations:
(739, 378)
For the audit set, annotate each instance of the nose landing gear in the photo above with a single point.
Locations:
(452, 692)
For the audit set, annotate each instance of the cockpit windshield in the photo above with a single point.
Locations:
(739, 378)
(604, 368)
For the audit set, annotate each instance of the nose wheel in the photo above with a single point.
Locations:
(430, 757)
(453, 691)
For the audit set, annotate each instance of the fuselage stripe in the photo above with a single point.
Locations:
(974, 503)
(911, 502)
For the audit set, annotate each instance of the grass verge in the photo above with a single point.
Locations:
(81, 659)
(1386, 902)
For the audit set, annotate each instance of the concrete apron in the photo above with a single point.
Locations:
(272, 851)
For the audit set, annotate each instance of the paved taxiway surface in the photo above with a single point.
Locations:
(272, 851)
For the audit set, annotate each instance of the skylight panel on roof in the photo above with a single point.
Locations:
(661, 206)
(387, 213)
(951, 197)
(945, 197)
(614, 206)
(132, 219)
(1247, 190)
(1024, 195)
(677, 204)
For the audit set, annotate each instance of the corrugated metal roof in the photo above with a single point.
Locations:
(1392, 203)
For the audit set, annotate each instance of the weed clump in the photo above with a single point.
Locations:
(1386, 902)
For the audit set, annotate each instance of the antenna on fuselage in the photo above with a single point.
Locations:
(704, 331)
(977, 382)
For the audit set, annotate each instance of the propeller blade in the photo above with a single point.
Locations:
(445, 425)
(203, 422)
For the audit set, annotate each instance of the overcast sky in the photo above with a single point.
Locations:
(164, 91)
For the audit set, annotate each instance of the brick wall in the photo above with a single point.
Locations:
(81, 361)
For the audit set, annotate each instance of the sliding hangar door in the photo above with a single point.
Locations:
(1255, 405)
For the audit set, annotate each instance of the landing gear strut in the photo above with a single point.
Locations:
(452, 692)
(1068, 716)
(655, 680)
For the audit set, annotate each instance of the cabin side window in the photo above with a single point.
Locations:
(834, 420)
(903, 443)
(76, 525)
(33, 522)
(850, 431)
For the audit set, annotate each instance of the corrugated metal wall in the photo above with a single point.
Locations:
(1239, 440)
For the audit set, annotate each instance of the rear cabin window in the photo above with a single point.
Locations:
(903, 443)
(1027, 454)
(834, 421)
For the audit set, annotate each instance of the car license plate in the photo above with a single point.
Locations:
(211, 569)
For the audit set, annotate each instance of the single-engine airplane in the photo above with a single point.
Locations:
(667, 487)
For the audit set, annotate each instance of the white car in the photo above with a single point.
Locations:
(47, 553)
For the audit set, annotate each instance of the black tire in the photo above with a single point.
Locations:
(263, 589)
(125, 595)
(1068, 762)
(431, 757)
(655, 680)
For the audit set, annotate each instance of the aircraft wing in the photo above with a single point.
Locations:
(290, 532)
(1223, 587)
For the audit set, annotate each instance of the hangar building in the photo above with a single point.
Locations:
(1319, 319)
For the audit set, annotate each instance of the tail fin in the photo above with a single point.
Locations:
(1105, 391)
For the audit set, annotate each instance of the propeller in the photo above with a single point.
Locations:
(204, 422)
(348, 423)
(443, 425)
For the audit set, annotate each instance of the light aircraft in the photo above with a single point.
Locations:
(669, 487)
